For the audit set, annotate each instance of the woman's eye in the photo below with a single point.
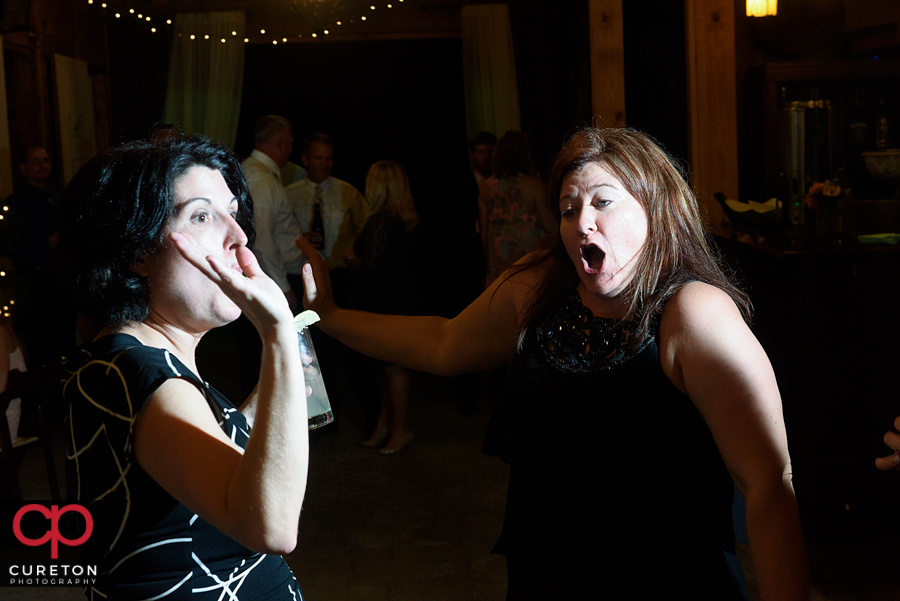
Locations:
(201, 217)
(600, 203)
(233, 214)
(566, 212)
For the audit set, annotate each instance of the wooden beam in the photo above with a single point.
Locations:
(607, 62)
(712, 103)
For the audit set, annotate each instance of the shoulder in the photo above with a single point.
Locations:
(699, 311)
(698, 303)
(699, 323)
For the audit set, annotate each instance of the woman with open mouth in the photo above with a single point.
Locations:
(637, 401)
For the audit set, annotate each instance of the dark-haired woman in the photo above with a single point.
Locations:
(637, 393)
(191, 496)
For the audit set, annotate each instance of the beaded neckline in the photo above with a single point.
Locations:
(573, 340)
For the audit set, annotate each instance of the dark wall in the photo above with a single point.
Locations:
(139, 71)
(398, 100)
(553, 72)
(656, 71)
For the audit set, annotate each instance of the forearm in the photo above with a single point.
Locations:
(776, 542)
(410, 341)
(270, 481)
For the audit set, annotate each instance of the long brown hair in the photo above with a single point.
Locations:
(677, 250)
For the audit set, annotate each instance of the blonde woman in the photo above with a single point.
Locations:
(385, 268)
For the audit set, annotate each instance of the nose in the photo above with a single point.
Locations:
(235, 236)
(586, 223)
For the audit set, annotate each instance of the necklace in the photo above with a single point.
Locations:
(573, 340)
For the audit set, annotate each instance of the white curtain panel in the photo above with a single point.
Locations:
(489, 70)
(206, 74)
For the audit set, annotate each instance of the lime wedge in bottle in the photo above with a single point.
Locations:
(305, 318)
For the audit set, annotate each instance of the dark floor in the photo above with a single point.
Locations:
(420, 525)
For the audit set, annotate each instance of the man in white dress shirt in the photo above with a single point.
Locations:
(276, 226)
(344, 210)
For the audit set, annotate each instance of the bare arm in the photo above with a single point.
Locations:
(711, 355)
(254, 495)
(484, 335)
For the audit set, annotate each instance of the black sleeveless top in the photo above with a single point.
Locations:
(610, 463)
(145, 543)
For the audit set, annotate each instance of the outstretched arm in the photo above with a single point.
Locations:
(711, 355)
(254, 495)
(484, 335)
(891, 439)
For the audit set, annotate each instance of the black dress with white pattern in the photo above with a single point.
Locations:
(145, 543)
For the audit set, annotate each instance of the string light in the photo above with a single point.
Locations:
(315, 35)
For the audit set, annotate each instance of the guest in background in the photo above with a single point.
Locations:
(343, 210)
(331, 214)
(276, 227)
(512, 207)
(28, 237)
(385, 281)
(891, 439)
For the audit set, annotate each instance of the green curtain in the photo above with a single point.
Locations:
(489, 70)
(205, 75)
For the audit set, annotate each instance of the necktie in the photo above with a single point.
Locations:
(317, 223)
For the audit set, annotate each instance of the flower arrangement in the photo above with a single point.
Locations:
(825, 199)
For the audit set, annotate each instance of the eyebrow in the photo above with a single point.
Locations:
(591, 189)
(190, 201)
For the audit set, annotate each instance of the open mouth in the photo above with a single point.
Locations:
(593, 258)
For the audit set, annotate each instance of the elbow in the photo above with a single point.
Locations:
(273, 541)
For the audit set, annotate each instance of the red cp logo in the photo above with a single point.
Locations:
(53, 534)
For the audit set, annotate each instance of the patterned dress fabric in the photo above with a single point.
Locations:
(609, 463)
(145, 543)
(513, 223)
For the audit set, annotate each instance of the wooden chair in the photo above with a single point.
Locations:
(33, 387)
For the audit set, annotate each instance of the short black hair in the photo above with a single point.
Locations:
(115, 212)
(317, 137)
